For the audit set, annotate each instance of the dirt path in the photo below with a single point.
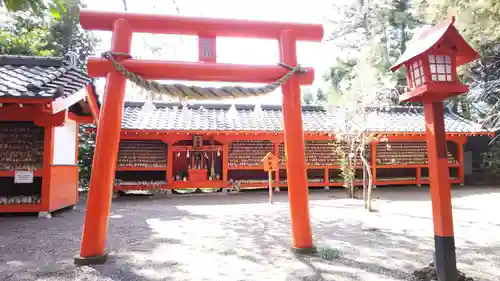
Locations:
(242, 237)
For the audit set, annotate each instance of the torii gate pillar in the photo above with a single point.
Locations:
(105, 156)
(298, 191)
(108, 132)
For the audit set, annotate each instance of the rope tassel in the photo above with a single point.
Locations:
(200, 93)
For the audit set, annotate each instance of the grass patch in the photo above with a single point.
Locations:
(324, 253)
(329, 254)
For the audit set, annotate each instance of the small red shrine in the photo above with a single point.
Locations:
(42, 102)
(226, 143)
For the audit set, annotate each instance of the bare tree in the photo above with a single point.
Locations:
(353, 108)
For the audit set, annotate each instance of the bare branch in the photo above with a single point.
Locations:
(344, 33)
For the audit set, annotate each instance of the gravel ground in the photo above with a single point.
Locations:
(241, 237)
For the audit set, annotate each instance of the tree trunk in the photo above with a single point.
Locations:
(366, 166)
(352, 163)
(365, 187)
(369, 198)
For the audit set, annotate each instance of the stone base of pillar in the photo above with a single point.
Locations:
(91, 260)
(305, 251)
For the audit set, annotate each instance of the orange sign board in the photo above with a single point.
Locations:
(271, 162)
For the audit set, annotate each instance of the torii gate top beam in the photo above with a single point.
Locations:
(167, 24)
(199, 71)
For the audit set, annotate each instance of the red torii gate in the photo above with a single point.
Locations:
(123, 25)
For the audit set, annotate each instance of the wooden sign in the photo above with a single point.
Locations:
(207, 49)
(197, 142)
(271, 162)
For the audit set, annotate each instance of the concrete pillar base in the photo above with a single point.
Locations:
(305, 251)
(91, 260)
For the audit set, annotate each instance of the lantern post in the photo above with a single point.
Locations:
(431, 61)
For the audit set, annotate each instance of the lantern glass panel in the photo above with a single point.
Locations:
(440, 67)
(417, 73)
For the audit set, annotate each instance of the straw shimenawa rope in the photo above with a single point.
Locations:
(184, 92)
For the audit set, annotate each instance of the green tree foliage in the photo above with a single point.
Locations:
(28, 34)
(307, 97)
(403, 20)
(477, 21)
(314, 97)
(474, 18)
(22, 41)
(341, 70)
(384, 26)
(37, 7)
(86, 145)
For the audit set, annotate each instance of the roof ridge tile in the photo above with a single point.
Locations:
(18, 60)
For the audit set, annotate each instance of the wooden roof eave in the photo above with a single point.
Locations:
(24, 100)
(63, 103)
(32, 112)
(85, 95)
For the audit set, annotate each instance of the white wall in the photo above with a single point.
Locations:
(65, 144)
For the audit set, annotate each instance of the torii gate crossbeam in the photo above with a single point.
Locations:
(123, 25)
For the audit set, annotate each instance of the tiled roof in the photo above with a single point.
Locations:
(39, 77)
(224, 117)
